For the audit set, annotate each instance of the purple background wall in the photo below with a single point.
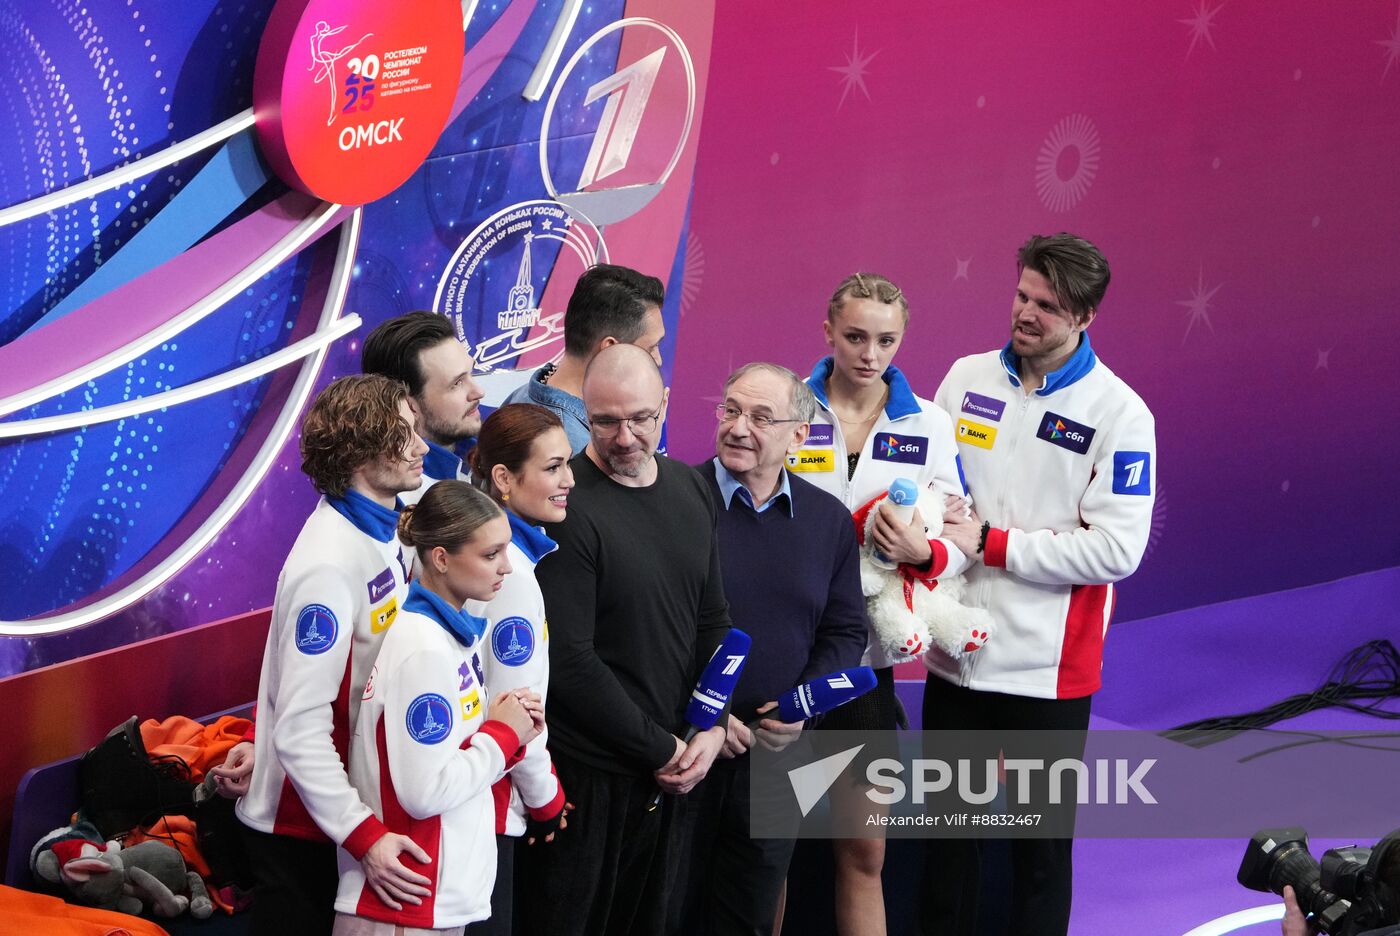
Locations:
(1236, 163)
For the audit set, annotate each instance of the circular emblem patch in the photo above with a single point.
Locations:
(429, 718)
(513, 641)
(316, 629)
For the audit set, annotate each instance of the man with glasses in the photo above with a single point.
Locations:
(806, 617)
(636, 608)
(610, 305)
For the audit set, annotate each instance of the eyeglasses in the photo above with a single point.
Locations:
(605, 427)
(728, 414)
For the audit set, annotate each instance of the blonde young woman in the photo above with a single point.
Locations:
(870, 429)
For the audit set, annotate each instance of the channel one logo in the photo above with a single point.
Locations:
(1057, 784)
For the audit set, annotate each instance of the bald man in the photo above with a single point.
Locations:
(636, 608)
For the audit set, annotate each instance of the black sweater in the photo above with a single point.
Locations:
(635, 607)
(793, 584)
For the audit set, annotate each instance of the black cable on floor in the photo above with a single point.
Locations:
(1360, 682)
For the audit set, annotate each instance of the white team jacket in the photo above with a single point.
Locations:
(339, 591)
(911, 439)
(425, 758)
(1066, 475)
(517, 655)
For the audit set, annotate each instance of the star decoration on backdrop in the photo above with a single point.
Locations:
(1159, 521)
(1391, 46)
(853, 72)
(693, 272)
(728, 369)
(1201, 25)
(962, 269)
(1322, 359)
(1198, 306)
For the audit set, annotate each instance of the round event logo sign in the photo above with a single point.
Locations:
(641, 130)
(494, 286)
(350, 96)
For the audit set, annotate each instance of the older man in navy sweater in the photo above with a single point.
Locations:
(791, 574)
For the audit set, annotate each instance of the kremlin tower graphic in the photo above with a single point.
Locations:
(520, 309)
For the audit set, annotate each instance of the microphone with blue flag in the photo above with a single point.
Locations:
(714, 687)
(822, 694)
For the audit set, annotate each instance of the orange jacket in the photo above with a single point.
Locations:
(25, 912)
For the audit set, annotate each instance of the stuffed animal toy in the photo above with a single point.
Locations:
(150, 875)
(910, 613)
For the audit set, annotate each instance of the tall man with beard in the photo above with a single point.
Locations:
(421, 350)
(1060, 456)
(636, 608)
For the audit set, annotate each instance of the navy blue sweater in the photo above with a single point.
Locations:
(793, 585)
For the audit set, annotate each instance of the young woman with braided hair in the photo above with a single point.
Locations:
(870, 429)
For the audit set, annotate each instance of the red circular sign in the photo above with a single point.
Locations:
(350, 96)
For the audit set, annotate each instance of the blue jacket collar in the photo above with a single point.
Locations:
(730, 485)
(901, 403)
(541, 392)
(369, 518)
(467, 628)
(530, 540)
(1079, 364)
(440, 463)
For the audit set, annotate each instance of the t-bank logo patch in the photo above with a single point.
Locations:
(819, 436)
(987, 407)
(812, 460)
(470, 703)
(1066, 433)
(381, 617)
(975, 433)
(911, 450)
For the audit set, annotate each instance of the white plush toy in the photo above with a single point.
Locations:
(910, 613)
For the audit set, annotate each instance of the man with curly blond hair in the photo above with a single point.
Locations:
(339, 591)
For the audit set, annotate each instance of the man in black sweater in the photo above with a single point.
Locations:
(635, 607)
(791, 574)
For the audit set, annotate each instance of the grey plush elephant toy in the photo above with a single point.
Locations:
(150, 875)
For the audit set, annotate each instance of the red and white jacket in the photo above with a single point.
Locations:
(516, 656)
(1067, 477)
(424, 757)
(339, 591)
